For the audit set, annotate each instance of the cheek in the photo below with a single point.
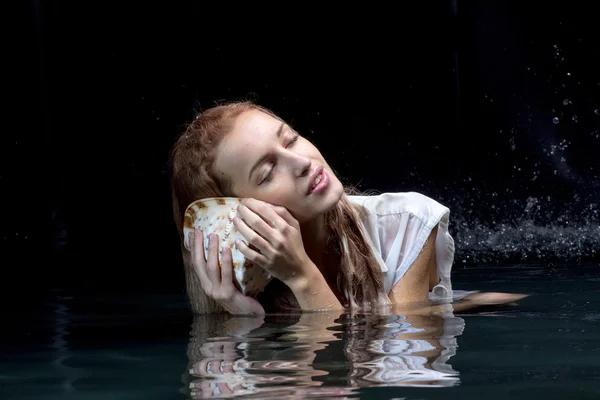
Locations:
(292, 205)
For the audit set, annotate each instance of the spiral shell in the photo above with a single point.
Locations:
(215, 215)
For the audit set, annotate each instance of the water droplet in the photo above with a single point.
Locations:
(596, 111)
(566, 102)
(555, 120)
(568, 74)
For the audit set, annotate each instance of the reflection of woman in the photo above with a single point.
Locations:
(233, 356)
(404, 350)
(326, 249)
(251, 355)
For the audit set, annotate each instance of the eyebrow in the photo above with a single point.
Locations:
(265, 156)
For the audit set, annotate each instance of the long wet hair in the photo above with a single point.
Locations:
(193, 177)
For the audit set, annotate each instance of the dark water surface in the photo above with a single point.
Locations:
(139, 344)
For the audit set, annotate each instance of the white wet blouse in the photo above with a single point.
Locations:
(398, 225)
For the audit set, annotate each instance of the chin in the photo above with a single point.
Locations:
(336, 191)
(325, 204)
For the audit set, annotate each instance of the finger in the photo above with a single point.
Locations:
(261, 243)
(275, 216)
(198, 259)
(286, 216)
(252, 255)
(226, 268)
(256, 221)
(213, 259)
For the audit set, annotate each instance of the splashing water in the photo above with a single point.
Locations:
(531, 232)
(548, 210)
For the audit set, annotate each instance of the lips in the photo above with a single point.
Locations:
(311, 182)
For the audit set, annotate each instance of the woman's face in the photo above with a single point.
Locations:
(267, 160)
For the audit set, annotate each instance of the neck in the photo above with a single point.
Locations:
(314, 237)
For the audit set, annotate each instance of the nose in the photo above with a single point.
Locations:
(302, 165)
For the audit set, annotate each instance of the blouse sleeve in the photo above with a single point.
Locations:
(403, 231)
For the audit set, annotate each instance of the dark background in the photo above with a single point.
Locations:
(490, 107)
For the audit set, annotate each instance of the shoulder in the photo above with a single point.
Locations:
(399, 203)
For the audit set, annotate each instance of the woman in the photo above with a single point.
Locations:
(326, 248)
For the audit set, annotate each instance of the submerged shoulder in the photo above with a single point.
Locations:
(397, 203)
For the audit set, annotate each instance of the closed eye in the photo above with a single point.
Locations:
(269, 176)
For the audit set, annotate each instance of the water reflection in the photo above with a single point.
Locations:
(320, 354)
(401, 350)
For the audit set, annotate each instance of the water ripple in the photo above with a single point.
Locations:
(320, 354)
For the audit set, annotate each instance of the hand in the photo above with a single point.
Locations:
(217, 282)
(275, 244)
(276, 234)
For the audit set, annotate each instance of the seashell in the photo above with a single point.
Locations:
(215, 215)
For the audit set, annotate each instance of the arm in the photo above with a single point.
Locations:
(312, 291)
(423, 275)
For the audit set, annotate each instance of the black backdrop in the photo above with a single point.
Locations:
(491, 107)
